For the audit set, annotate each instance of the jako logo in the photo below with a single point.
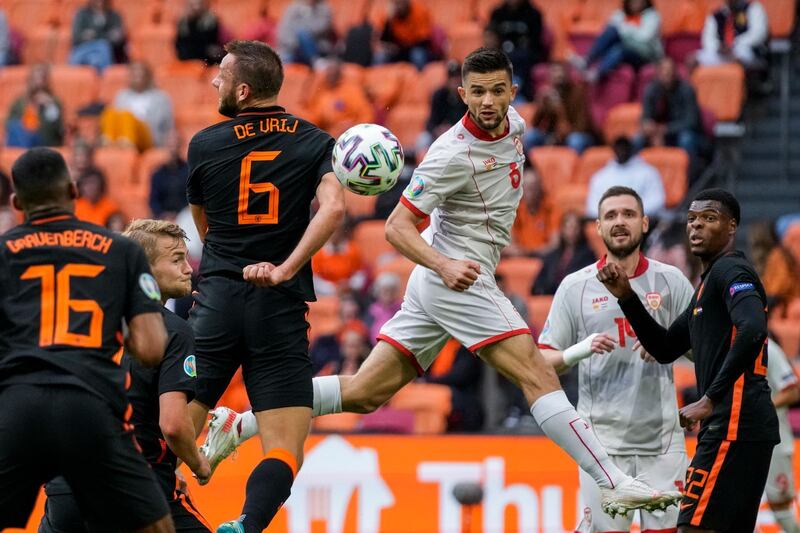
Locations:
(601, 299)
(323, 489)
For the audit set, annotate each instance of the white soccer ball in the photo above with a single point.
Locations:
(367, 159)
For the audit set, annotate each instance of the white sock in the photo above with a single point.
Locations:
(561, 423)
(327, 396)
(787, 520)
(247, 426)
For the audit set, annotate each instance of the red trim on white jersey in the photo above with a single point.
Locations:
(498, 338)
(480, 133)
(641, 266)
(411, 207)
(403, 350)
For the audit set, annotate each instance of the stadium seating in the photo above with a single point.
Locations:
(616, 89)
(555, 164)
(623, 120)
(780, 15)
(464, 38)
(538, 307)
(154, 44)
(519, 273)
(46, 43)
(359, 206)
(592, 160)
(430, 403)
(338, 423)
(323, 316)
(399, 266)
(720, 88)
(673, 165)
(406, 121)
(369, 237)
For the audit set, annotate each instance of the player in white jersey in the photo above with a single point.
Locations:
(780, 489)
(630, 402)
(469, 184)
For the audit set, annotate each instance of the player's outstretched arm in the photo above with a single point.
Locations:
(147, 338)
(596, 343)
(402, 233)
(665, 345)
(329, 217)
(178, 431)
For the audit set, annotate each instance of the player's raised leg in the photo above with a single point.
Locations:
(519, 359)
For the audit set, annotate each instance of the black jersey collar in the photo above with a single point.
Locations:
(50, 216)
(269, 110)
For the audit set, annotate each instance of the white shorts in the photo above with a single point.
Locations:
(780, 480)
(431, 314)
(663, 472)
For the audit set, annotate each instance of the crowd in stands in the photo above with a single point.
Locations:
(615, 92)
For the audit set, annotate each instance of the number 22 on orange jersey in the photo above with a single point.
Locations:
(246, 187)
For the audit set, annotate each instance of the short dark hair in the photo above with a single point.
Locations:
(485, 60)
(728, 201)
(257, 65)
(619, 190)
(40, 176)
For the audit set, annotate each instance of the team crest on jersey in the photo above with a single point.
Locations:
(490, 163)
(518, 145)
(653, 300)
(600, 303)
(416, 187)
(149, 286)
(190, 366)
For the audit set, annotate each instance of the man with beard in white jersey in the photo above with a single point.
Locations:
(469, 185)
(628, 400)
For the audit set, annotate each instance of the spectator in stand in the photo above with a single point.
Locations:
(388, 298)
(354, 349)
(668, 244)
(775, 265)
(199, 34)
(141, 113)
(571, 254)
(517, 25)
(562, 114)
(265, 29)
(98, 36)
(670, 114)
(407, 34)
(338, 265)
(305, 31)
(5, 40)
(631, 171)
(447, 108)
(534, 229)
(326, 349)
(93, 204)
(338, 103)
(7, 217)
(36, 118)
(168, 183)
(632, 36)
(737, 31)
(82, 161)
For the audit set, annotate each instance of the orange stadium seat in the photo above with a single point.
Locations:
(75, 85)
(593, 238)
(13, 80)
(184, 81)
(787, 334)
(154, 44)
(526, 110)
(407, 121)
(555, 164)
(368, 236)
(720, 89)
(114, 79)
(296, 79)
(358, 205)
(572, 198)
(673, 165)
(463, 37)
(519, 273)
(24, 14)
(623, 119)
(338, 423)
(47, 44)
(137, 13)
(433, 76)
(138, 190)
(592, 160)
(400, 266)
(538, 307)
(323, 315)
(346, 14)
(119, 166)
(238, 15)
(430, 403)
(8, 155)
(781, 17)
(684, 376)
(391, 84)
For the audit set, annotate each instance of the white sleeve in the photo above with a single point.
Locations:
(757, 27)
(560, 330)
(780, 373)
(710, 39)
(441, 174)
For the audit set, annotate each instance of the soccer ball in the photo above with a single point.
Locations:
(367, 159)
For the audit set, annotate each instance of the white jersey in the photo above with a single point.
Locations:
(630, 403)
(471, 186)
(780, 375)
